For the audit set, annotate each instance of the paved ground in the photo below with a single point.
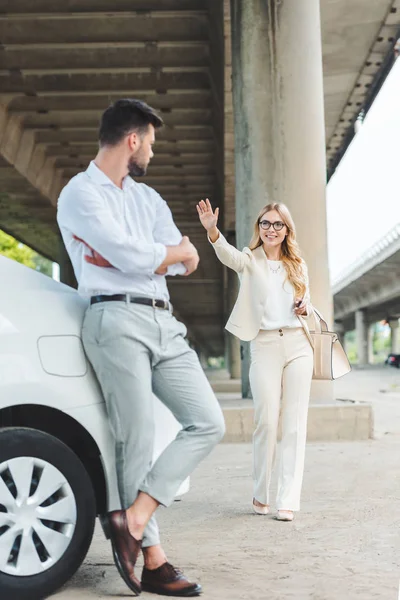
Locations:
(343, 545)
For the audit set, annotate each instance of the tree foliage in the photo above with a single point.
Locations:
(13, 249)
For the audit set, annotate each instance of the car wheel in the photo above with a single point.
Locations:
(47, 513)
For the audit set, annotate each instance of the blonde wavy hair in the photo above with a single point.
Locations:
(290, 251)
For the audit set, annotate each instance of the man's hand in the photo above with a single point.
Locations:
(191, 265)
(161, 271)
(190, 252)
(96, 258)
(192, 261)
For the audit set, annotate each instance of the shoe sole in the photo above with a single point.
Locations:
(257, 511)
(134, 588)
(154, 590)
(107, 532)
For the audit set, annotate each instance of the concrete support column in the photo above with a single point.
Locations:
(370, 347)
(394, 336)
(338, 327)
(232, 342)
(67, 275)
(203, 358)
(362, 337)
(280, 132)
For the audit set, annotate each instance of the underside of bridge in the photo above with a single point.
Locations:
(62, 63)
(371, 285)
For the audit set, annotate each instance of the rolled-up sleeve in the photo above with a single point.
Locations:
(86, 215)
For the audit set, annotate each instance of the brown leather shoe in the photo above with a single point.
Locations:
(125, 549)
(168, 581)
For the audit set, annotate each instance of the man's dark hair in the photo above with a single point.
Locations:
(124, 117)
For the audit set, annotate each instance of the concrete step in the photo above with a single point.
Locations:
(326, 422)
(232, 386)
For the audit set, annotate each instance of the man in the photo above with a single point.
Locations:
(122, 242)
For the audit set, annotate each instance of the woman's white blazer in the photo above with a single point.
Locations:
(254, 275)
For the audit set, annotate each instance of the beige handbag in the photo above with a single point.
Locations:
(330, 359)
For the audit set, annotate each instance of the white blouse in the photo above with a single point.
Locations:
(279, 306)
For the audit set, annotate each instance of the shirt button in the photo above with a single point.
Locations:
(280, 331)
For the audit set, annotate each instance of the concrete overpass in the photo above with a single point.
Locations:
(62, 63)
(369, 291)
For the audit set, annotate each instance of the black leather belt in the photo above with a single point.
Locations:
(136, 300)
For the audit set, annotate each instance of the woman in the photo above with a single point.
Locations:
(273, 298)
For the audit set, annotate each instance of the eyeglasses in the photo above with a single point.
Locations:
(277, 225)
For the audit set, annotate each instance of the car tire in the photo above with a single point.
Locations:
(54, 547)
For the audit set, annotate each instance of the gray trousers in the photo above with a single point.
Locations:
(136, 350)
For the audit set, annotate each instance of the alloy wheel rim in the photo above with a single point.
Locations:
(38, 516)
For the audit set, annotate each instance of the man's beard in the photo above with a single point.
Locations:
(135, 169)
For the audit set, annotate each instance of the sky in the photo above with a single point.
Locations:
(363, 196)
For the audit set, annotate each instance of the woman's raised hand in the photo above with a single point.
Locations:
(208, 218)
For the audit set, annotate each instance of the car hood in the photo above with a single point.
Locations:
(33, 302)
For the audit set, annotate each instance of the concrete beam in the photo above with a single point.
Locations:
(127, 81)
(104, 27)
(100, 100)
(379, 255)
(193, 192)
(78, 6)
(40, 238)
(19, 149)
(159, 164)
(97, 57)
(181, 149)
(179, 135)
(372, 297)
(89, 119)
(175, 173)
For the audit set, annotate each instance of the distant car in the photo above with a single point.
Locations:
(57, 468)
(393, 360)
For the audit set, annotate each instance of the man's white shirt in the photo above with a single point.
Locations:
(129, 227)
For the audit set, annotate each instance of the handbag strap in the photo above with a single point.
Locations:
(319, 321)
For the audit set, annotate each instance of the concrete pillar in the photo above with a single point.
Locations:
(362, 337)
(280, 132)
(394, 336)
(232, 342)
(338, 327)
(370, 346)
(67, 275)
(203, 358)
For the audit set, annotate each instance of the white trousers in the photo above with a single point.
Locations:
(281, 369)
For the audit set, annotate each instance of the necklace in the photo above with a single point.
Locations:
(274, 271)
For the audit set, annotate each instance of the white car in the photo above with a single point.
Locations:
(57, 469)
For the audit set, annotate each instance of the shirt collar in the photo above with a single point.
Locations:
(100, 177)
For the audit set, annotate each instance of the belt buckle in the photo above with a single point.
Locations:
(164, 304)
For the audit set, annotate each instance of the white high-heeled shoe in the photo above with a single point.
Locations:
(285, 515)
(260, 510)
